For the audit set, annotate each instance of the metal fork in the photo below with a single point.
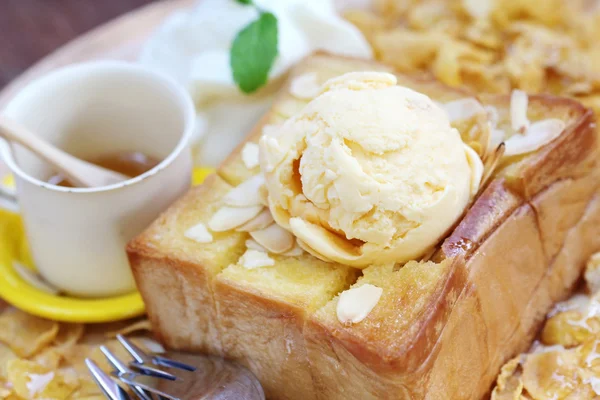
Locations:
(174, 376)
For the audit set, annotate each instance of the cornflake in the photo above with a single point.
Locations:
(491, 46)
(566, 363)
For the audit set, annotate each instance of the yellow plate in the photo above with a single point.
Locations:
(21, 294)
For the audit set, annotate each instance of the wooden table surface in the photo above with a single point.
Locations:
(32, 29)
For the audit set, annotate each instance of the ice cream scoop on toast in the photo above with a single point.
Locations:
(442, 325)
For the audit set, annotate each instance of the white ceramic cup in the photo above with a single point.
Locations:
(78, 236)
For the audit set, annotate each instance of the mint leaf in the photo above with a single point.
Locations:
(253, 53)
(244, 1)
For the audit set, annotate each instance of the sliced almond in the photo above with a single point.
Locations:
(199, 233)
(492, 114)
(480, 133)
(355, 304)
(250, 155)
(255, 259)
(496, 137)
(296, 251)
(463, 109)
(476, 169)
(325, 243)
(228, 218)
(270, 130)
(263, 193)
(539, 134)
(252, 244)
(305, 87)
(246, 194)
(518, 111)
(272, 153)
(261, 221)
(311, 251)
(274, 238)
(34, 279)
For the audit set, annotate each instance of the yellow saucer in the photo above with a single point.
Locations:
(19, 293)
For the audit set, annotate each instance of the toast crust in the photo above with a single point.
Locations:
(274, 356)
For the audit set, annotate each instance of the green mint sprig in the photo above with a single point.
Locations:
(254, 50)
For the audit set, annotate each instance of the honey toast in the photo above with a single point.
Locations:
(442, 328)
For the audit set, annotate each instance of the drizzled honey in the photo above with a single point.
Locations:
(128, 163)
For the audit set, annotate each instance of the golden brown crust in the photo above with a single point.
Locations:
(274, 355)
(570, 196)
(492, 207)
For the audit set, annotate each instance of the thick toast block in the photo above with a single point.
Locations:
(175, 275)
(262, 314)
(441, 330)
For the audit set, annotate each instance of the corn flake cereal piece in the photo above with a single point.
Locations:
(538, 45)
(550, 374)
(592, 101)
(87, 389)
(569, 329)
(69, 335)
(509, 383)
(25, 334)
(406, 50)
(33, 381)
(50, 357)
(141, 325)
(6, 355)
(75, 357)
(367, 22)
(428, 14)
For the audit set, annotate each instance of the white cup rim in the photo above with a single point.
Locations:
(103, 65)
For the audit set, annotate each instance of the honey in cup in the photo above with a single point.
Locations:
(128, 163)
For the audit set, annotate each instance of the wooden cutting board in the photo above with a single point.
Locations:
(121, 38)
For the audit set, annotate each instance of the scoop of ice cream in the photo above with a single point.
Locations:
(368, 173)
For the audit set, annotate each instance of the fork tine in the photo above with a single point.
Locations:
(141, 357)
(143, 361)
(147, 383)
(138, 354)
(167, 362)
(113, 360)
(121, 368)
(148, 370)
(109, 387)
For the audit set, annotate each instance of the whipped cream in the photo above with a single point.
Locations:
(192, 46)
